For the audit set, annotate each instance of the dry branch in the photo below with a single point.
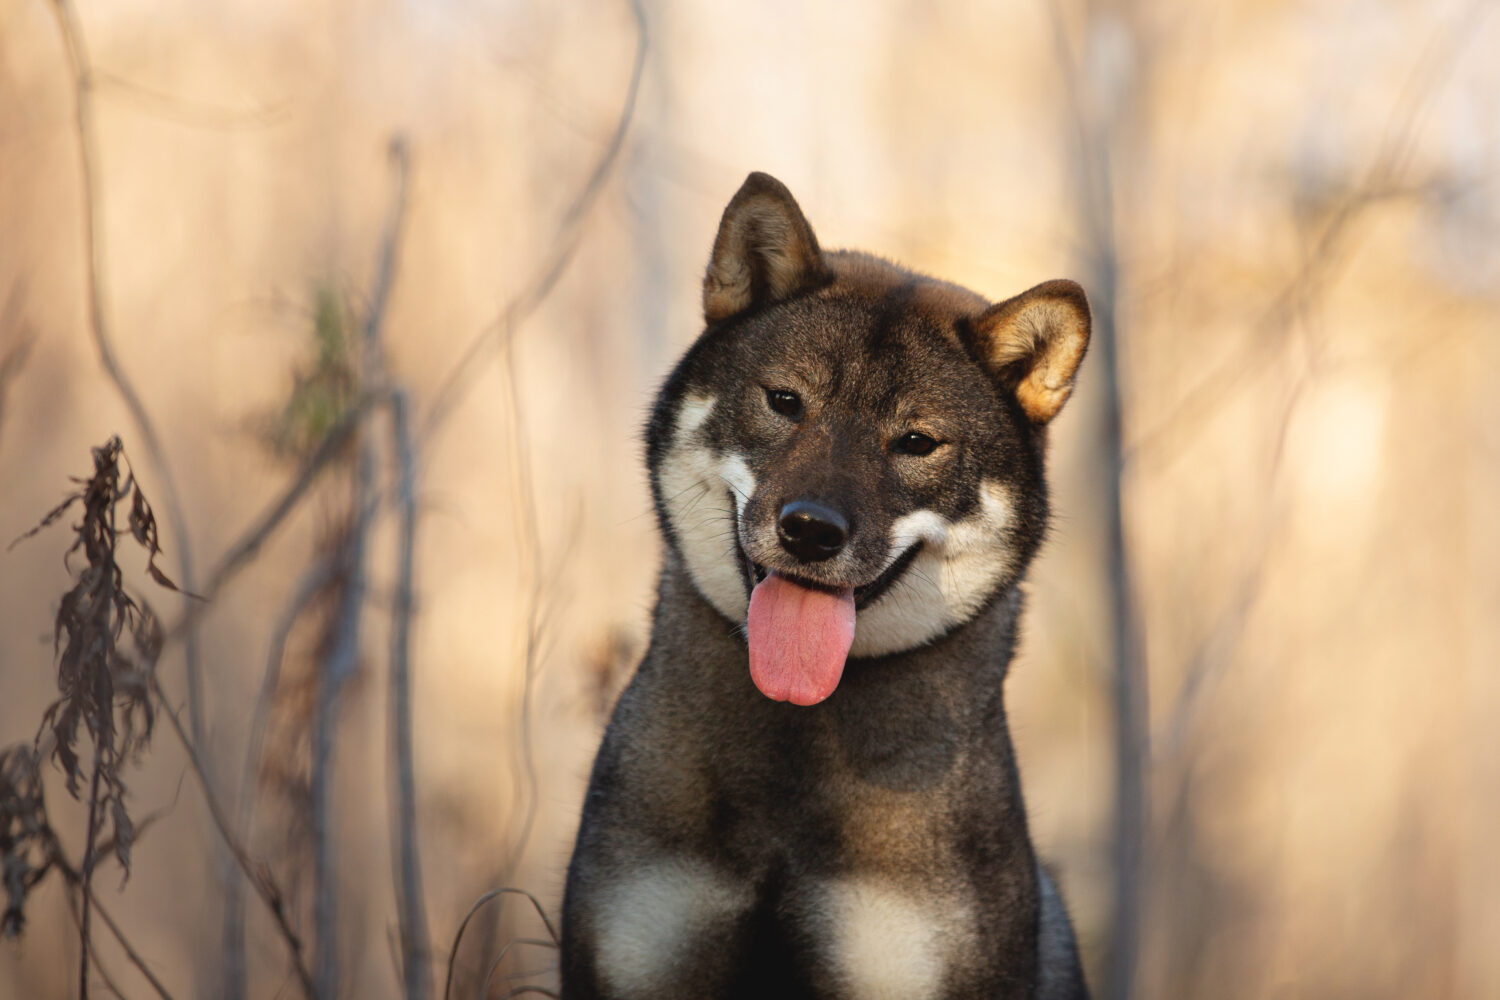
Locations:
(264, 887)
(130, 952)
(1094, 176)
(99, 326)
(416, 945)
(479, 904)
(314, 581)
(91, 952)
(343, 654)
(489, 976)
(239, 555)
(499, 332)
(15, 357)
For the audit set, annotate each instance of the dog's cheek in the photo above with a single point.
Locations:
(961, 565)
(701, 506)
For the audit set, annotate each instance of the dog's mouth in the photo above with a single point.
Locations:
(800, 630)
(864, 595)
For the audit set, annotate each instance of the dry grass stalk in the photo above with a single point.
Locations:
(107, 643)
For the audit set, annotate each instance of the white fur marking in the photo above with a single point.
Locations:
(648, 920)
(887, 944)
(738, 477)
(696, 485)
(691, 415)
(957, 569)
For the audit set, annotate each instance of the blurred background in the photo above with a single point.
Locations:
(1255, 703)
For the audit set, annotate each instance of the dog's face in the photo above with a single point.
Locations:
(849, 460)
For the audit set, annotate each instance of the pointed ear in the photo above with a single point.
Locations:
(1032, 344)
(765, 251)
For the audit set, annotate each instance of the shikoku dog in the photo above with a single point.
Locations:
(808, 788)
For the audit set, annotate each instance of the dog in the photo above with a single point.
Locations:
(808, 789)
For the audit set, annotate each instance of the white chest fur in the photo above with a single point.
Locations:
(873, 940)
(882, 943)
(649, 919)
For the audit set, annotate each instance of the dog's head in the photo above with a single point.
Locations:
(849, 459)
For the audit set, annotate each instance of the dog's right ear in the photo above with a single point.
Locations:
(765, 251)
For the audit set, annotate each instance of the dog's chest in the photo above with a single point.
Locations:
(859, 936)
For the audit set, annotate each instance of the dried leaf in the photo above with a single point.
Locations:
(143, 523)
(161, 578)
(52, 516)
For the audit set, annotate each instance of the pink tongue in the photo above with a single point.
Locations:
(799, 639)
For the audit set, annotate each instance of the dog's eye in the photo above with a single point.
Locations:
(914, 444)
(784, 402)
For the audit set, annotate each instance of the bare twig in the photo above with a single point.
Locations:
(499, 332)
(317, 578)
(14, 359)
(75, 880)
(71, 29)
(1130, 679)
(130, 952)
(189, 113)
(314, 581)
(484, 989)
(264, 888)
(343, 653)
(530, 541)
(86, 875)
(99, 325)
(88, 949)
(416, 946)
(240, 554)
(499, 336)
(479, 904)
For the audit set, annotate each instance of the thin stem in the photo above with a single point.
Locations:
(416, 946)
(499, 332)
(343, 654)
(130, 952)
(264, 888)
(489, 976)
(86, 876)
(315, 580)
(99, 326)
(75, 879)
(1094, 176)
(478, 905)
(89, 949)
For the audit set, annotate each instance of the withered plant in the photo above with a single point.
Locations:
(106, 643)
(26, 840)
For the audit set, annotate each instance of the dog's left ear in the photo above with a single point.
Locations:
(765, 251)
(1032, 344)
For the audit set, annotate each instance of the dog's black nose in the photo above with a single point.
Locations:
(812, 532)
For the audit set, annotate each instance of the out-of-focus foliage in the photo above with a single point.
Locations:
(323, 389)
(25, 836)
